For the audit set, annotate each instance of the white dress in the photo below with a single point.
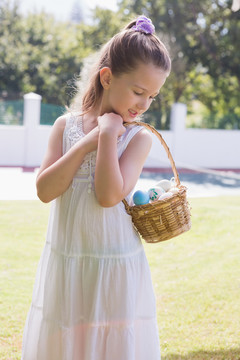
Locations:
(93, 297)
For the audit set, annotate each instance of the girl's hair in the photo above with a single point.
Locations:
(122, 54)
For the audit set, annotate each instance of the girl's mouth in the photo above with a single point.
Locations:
(133, 113)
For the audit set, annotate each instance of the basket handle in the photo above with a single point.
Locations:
(166, 148)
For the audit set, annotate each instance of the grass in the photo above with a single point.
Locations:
(196, 278)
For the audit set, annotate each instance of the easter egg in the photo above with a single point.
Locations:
(173, 182)
(141, 197)
(155, 193)
(174, 190)
(165, 196)
(165, 184)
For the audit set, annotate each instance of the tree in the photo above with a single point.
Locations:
(105, 24)
(12, 35)
(38, 54)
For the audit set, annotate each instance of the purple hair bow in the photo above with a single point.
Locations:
(144, 25)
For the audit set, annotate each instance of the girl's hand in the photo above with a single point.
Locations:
(111, 123)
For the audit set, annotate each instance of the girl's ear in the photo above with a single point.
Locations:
(105, 77)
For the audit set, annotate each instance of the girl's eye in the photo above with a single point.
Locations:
(139, 94)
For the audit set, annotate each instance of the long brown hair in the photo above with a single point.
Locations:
(121, 54)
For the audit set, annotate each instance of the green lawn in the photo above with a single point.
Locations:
(196, 278)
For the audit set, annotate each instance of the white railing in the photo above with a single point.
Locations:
(216, 149)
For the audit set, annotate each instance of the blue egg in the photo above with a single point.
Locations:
(141, 197)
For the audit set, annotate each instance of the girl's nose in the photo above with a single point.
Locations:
(143, 104)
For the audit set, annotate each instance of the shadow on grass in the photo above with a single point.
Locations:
(197, 178)
(231, 354)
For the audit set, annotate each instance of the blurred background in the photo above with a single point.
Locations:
(43, 45)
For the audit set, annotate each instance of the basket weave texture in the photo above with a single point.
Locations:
(162, 219)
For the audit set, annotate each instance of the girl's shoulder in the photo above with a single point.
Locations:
(135, 134)
(66, 121)
(135, 129)
(60, 122)
(60, 126)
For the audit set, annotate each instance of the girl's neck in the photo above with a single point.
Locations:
(90, 119)
(93, 114)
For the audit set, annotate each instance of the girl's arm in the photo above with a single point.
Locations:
(57, 170)
(115, 178)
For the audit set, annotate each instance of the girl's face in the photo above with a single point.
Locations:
(131, 94)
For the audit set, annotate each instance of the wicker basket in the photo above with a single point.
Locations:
(163, 219)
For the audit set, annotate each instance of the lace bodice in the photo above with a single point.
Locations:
(74, 132)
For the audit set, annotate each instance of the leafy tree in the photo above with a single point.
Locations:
(38, 54)
(57, 51)
(105, 24)
(11, 40)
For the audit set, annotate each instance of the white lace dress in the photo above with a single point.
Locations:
(93, 297)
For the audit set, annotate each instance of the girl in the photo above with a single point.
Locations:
(93, 298)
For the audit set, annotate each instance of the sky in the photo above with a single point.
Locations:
(61, 9)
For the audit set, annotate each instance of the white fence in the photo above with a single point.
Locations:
(215, 149)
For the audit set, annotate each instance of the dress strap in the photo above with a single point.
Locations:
(127, 137)
(71, 121)
(79, 122)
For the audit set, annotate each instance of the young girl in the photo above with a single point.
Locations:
(93, 297)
